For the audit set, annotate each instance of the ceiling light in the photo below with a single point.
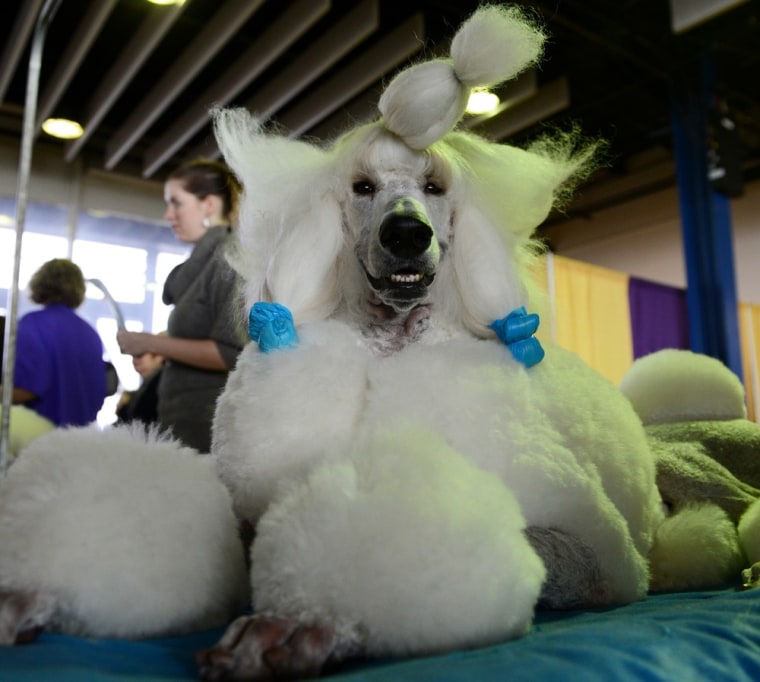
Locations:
(167, 2)
(481, 102)
(62, 128)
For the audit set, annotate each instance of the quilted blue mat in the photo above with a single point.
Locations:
(678, 637)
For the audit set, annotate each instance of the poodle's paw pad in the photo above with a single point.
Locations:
(751, 577)
(260, 648)
(23, 615)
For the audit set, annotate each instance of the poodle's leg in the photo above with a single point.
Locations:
(695, 548)
(262, 647)
(384, 554)
(23, 615)
(749, 538)
(573, 575)
(751, 577)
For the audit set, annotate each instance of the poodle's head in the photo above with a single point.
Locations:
(403, 211)
(396, 211)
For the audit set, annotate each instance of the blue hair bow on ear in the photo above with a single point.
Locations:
(516, 332)
(271, 326)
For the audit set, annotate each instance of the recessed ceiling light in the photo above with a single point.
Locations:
(62, 128)
(167, 2)
(481, 102)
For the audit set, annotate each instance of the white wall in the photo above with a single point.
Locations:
(54, 181)
(643, 238)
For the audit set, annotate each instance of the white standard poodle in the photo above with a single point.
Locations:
(420, 473)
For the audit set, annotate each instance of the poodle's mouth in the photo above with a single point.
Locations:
(404, 286)
(402, 278)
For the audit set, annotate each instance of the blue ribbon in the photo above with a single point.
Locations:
(271, 326)
(516, 332)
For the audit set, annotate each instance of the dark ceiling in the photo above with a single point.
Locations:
(142, 77)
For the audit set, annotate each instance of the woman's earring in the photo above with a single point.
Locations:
(206, 222)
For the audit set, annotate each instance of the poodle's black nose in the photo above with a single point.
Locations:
(405, 236)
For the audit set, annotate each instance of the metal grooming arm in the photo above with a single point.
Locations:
(25, 163)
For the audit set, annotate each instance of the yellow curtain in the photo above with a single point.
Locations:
(591, 314)
(749, 329)
(588, 313)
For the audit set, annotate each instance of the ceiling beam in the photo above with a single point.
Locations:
(279, 36)
(155, 26)
(350, 31)
(344, 36)
(550, 99)
(686, 14)
(361, 109)
(225, 23)
(88, 29)
(14, 46)
(362, 72)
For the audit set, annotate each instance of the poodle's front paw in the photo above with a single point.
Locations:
(260, 648)
(23, 615)
(751, 576)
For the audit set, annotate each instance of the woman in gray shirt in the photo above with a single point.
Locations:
(205, 330)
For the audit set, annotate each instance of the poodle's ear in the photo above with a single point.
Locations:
(517, 188)
(505, 194)
(290, 231)
(491, 271)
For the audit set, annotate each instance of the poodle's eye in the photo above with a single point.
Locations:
(364, 187)
(432, 188)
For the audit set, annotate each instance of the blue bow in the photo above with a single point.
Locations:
(271, 326)
(516, 332)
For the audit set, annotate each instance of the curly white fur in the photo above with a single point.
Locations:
(399, 444)
(395, 460)
(296, 252)
(117, 534)
(426, 101)
(677, 385)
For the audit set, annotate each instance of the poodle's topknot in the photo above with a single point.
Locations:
(427, 100)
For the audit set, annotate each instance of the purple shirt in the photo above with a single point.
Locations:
(59, 358)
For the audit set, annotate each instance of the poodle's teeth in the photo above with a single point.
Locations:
(407, 279)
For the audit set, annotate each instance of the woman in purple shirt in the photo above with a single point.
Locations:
(59, 371)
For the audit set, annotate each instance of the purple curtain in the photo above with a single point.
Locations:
(658, 317)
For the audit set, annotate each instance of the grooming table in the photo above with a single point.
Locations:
(711, 635)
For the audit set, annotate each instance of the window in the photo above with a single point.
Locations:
(131, 258)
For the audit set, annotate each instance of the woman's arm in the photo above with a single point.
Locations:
(201, 353)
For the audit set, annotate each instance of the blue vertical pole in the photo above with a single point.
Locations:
(705, 224)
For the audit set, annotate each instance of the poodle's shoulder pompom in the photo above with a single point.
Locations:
(678, 385)
(426, 101)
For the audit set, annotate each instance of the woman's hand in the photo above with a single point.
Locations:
(201, 353)
(135, 343)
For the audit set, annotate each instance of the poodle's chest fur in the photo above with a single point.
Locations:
(284, 412)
